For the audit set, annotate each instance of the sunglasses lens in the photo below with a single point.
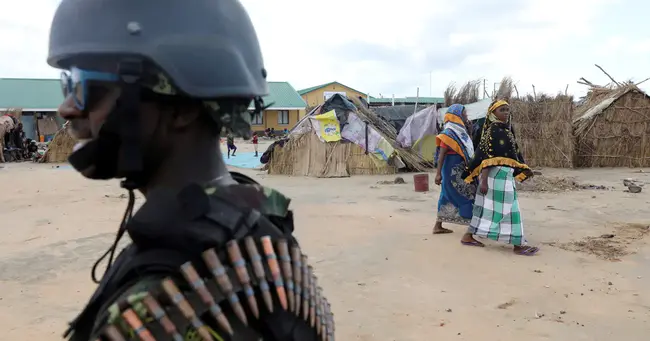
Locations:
(79, 94)
(65, 84)
(74, 86)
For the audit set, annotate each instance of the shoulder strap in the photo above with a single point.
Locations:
(243, 179)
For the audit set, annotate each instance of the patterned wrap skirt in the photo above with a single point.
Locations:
(496, 214)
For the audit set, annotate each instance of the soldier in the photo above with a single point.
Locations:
(149, 85)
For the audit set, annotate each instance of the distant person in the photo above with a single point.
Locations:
(19, 136)
(255, 143)
(230, 142)
(497, 163)
(272, 133)
(285, 132)
(31, 149)
(453, 153)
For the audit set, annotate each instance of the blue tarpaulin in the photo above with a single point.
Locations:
(244, 160)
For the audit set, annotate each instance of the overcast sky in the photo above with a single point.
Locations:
(393, 47)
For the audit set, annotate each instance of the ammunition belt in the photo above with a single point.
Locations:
(279, 277)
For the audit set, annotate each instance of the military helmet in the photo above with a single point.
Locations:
(207, 48)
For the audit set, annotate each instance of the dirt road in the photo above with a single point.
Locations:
(387, 277)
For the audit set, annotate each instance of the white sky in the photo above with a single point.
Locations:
(392, 47)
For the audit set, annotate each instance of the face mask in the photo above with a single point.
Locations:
(98, 158)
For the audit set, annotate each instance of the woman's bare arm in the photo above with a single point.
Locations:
(484, 174)
(441, 158)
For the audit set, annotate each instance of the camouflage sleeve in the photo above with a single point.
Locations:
(266, 200)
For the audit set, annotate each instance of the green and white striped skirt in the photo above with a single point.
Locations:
(496, 214)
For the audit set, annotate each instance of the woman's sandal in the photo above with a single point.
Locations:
(442, 231)
(527, 251)
(473, 243)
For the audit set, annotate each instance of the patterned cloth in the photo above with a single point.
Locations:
(455, 134)
(497, 147)
(456, 196)
(496, 214)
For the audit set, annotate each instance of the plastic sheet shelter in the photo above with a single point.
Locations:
(474, 110)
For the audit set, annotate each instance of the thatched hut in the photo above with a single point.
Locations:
(307, 155)
(543, 126)
(367, 145)
(612, 128)
(60, 148)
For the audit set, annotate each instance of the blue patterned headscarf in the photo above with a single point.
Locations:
(455, 133)
(456, 109)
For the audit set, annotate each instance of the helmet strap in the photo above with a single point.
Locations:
(128, 110)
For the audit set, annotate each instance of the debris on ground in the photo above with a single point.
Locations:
(609, 246)
(634, 189)
(121, 196)
(555, 184)
(633, 186)
(506, 305)
(627, 182)
(398, 181)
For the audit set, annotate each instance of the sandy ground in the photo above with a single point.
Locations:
(387, 277)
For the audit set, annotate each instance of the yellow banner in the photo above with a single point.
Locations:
(330, 130)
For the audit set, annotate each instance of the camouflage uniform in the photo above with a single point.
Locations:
(261, 282)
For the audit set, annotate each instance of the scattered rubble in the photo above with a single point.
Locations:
(554, 184)
(398, 181)
(611, 246)
(633, 186)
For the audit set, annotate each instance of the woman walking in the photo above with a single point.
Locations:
(230, 143)
(453, 153)
(497, 163)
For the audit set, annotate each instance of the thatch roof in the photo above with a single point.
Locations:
(598, 99)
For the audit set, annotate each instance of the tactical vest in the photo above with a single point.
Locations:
(209, 263)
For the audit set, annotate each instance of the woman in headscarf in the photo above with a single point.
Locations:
(454, 150)
(497, 163)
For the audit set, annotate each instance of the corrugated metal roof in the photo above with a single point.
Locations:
(310, 89)
(28, 94)
(408, 100)
(283, 95)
